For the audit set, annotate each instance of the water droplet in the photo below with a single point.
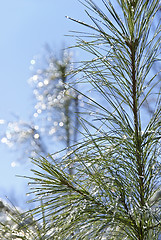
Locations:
(33, 61)
(141, 176)
(46, 82)
(55, 123)
(124, 136)
(2, 121)
(35, 78)
(39, 111)
(43, 106)
(13, 164)
(35, 115)
(36, 136)
(40, 84)
(49, 119)
(4, 140)
(35, 92)
(40, 97)
(91, 113)
(52, 131)
(61, 124)
(36, 127)
(59, 97)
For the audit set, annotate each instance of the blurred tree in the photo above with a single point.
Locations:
(56, 104)
(54, 125)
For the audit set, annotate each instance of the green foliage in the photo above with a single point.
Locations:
(18, 225)
(114, 191)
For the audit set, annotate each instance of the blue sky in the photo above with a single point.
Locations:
(25, 27)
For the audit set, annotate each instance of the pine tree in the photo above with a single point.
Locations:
(115, 190)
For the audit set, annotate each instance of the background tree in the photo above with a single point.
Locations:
(53, 126)
(54, 123)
